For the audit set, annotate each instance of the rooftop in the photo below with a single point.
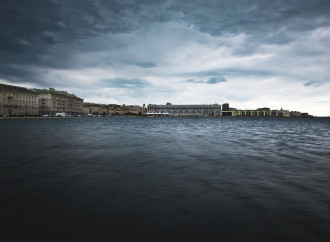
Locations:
(53, 91)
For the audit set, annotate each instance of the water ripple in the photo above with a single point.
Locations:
(166, 178)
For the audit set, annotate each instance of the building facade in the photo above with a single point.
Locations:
(52, 101)
(260, 112)
(295, 114)
(96, 109)
(212, 110)
(184, 110)
(91, 108)
(132, 109)
(17, 101)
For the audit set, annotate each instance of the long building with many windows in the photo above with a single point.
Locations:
(260, 112)
(198, 110)
(52, 101)
(18, 101)
(212, 110)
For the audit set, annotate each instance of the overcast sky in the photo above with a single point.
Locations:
(250, 53)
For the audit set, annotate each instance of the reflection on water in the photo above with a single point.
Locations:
(165, 179)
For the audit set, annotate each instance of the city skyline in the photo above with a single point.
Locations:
(247, 53)
(17, 101)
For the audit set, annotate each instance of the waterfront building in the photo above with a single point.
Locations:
(17, 101)
(124, 109)
(212, 110)
(86, 110)
(114, 109)
(295, 114)
(133, 109)
(260, 112)
(228, 111)
(184, 110)
(96, 109)
(52, 101)
(305, 115)
(91, 108)
(104, 110)
(225, 107)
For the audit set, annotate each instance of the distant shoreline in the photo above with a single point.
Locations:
(6, 118)
(22, 118)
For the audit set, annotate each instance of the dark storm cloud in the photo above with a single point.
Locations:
(15, 72)
(31, 27)
(47, 33)
(255, 16)
(50, 34)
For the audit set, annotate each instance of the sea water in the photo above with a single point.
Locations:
(165, 179)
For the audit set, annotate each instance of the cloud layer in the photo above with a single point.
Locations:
(248, 53)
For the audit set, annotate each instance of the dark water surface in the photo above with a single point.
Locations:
(165, 179)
